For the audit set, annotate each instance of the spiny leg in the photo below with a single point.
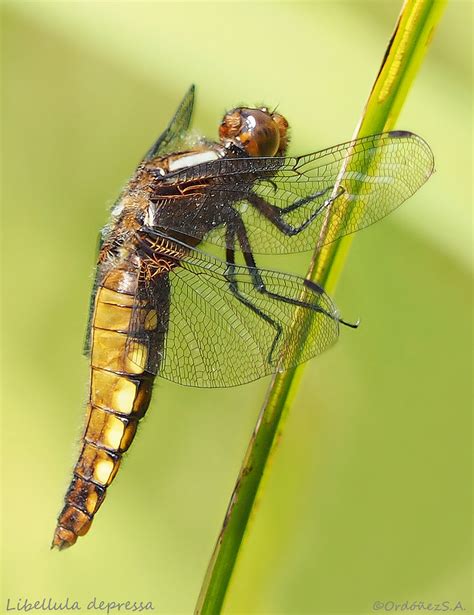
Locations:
(237, 227)
(233, 285)
(275, 214)
(299, 202)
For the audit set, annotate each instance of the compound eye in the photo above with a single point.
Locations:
(253, 130)
(260, 136)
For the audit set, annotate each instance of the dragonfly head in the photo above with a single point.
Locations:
(258, 132)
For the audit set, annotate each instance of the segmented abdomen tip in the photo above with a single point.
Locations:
(63, 539)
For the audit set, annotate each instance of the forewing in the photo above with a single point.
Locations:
(170, 139)
(357, 183)
(214, 339)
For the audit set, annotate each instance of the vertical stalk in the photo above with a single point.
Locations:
(405, 52)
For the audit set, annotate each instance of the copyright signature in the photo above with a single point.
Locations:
(418, 605)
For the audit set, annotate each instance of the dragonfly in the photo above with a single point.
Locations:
(164, 304)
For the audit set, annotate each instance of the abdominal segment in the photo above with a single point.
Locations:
(120, 392)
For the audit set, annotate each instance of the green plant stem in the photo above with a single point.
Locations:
(405, 52)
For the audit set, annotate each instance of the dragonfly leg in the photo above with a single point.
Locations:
(233, 285)
(304, 200)
(237, 227)
(275, 214)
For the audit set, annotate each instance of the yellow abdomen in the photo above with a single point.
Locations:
(120, 392)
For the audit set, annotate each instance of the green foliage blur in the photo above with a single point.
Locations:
(369, 494)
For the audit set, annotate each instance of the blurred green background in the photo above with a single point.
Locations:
(369, 493)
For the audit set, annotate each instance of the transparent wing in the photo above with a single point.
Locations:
(222, 331)
(284, 202)
(169, 140)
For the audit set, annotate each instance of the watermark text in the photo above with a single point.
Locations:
(26, 605)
